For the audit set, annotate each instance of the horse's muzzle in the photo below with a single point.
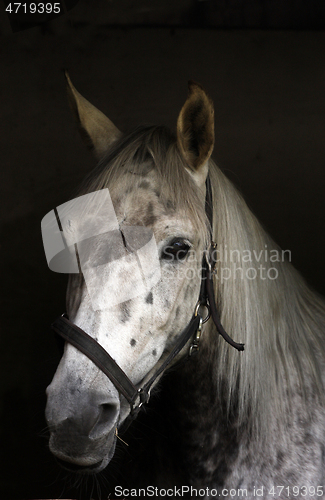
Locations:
(82, 426)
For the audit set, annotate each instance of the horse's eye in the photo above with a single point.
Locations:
(176, 250)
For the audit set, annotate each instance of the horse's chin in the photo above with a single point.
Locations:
(86, 469)
(78, 465)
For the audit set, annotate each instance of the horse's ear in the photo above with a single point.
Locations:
(96, 129)
(195, 130)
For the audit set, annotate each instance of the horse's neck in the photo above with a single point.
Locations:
(211, 447)
(198, 423)
(192, 439)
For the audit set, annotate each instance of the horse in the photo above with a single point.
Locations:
(223, 422)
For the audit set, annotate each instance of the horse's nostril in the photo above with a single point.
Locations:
(108, 410)
(108, 413)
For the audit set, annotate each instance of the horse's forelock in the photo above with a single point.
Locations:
(147, 149)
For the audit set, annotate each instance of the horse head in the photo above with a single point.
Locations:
(154, 213)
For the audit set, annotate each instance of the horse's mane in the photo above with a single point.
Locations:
(281, 321)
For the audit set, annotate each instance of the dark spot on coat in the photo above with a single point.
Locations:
(133, 342)
(154, 352)
(129, 189)
(308, 438)
(125, 312)
(279, 458)
(149, 298)
(187, 292)
(292, 477)
(144, 184)
(150, 217)
(178, 310)
(170, 205)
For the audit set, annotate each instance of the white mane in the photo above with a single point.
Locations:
(277, 316)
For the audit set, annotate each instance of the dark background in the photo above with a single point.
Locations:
(262, 62)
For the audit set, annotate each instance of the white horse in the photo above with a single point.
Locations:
(225, 423)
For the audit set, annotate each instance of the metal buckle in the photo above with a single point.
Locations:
(143, 397)
(194, 347)
(196, 311)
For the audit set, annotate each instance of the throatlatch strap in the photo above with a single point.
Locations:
(207, 291)
(215, 315)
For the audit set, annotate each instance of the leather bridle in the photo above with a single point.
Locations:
(137, 395)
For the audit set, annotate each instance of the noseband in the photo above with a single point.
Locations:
(139, 395)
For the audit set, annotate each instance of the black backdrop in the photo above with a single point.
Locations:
(133, 61)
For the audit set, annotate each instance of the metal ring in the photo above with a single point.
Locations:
(196, 311)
